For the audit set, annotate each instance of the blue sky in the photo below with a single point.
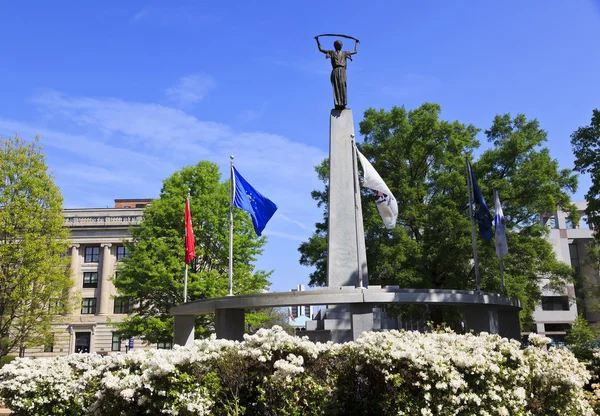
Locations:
(125, 93)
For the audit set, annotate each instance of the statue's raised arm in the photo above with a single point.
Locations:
(355, 51)
(319, 45)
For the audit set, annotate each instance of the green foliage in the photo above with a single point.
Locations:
(33, 271)
(422, 160)
(6, 359)
(272, 373)
(580, 339)
(267, 318)
(153, 272)
(585, 142)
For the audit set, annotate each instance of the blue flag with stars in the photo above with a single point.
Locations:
(260, 208)
(484, 218)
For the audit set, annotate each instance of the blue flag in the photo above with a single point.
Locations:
(260, 208)
(484, 218)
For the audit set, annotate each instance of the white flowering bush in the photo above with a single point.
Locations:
(593, 388)
(273, 373)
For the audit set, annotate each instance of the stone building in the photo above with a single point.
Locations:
(97, 236)
(556, 312)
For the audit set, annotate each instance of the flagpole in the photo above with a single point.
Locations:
(358, 216)
(496, 198)
(473, 232)
(231, 196)
(185, 273)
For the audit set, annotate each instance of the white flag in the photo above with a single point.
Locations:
(386, 203)
(501, 245)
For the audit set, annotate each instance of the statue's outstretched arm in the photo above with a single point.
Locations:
(355, 51)
(319, 45)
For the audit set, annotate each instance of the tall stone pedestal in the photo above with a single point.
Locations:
(346, 243)
(347, 259)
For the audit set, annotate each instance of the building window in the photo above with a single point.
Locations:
(123, 304)
(164, 345)
(92, 254)
(574, 254)
(56, 306)
(557, 327)
(116, 342)
(121, 252)
(90, 279)
(555, 303)
(49, 344)
(584, 222)
(88, 306)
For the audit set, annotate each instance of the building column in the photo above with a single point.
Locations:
(183, 331)
(482, 318)
(509, 323)
(229, 324)
(104, 283)
(76, 276)
(361, 319)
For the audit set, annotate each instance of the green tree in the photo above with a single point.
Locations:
(580, 337)
(153, 272)
(34, 277)
(422, 160)
(267, 318)
(585, 142)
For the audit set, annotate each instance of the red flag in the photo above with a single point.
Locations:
(290, 315)
(190, 250)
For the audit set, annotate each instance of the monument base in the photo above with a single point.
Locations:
(355, 311)
(345, 323)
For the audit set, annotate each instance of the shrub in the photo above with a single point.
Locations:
(6, 359)
(273, 373)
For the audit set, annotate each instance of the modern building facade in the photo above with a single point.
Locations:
(557, 311)
(299, 315)
(97, 247)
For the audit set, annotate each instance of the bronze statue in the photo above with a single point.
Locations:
(338, 72)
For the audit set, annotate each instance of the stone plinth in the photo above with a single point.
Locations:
(346, 248)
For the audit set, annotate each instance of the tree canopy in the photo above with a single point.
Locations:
(153, 272)
(34, 277)
(585, 142)
(422, 160)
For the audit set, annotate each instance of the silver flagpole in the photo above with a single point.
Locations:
(473, 232)
(185, 273)
(502, 277)
(231, 196)
(360, 234)
(497, 198)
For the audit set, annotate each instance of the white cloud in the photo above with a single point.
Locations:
(106, 148)
(286, 236)
(298, 223)
(113, 146)
(177, 17)
(253, 113)
(190, 89)
(142, 14)
(147, 125)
